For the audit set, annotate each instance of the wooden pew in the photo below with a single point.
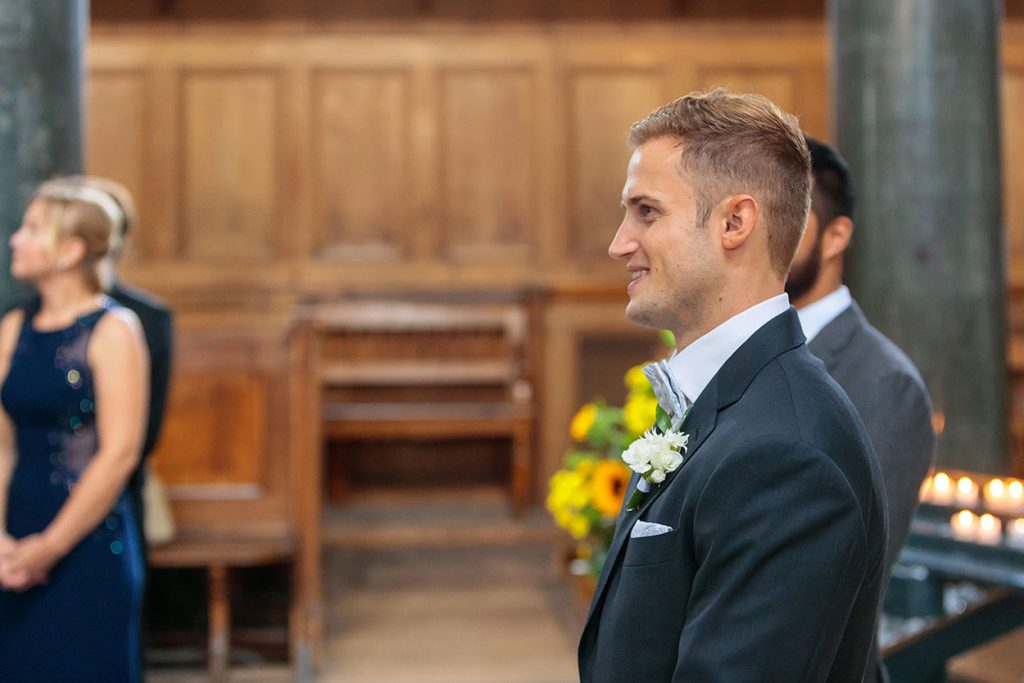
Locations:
(225, 458)
(427, 370)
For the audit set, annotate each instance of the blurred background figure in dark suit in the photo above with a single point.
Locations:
(881, 381)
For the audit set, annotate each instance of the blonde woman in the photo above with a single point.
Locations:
(74, 404)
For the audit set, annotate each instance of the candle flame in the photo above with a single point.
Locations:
(1018, 526)
(996, 487)
(988, 521)
(942, 482)
(965, 484)
(938, 422)
(1016, 489)
(964, 519)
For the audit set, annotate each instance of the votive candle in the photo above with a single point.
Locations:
(964, 526)
(1015, 533)
(941, 489)
(966, 492)
(996, 496)
(1015, 497)
(990, 529)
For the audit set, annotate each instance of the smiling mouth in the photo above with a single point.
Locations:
(635, 277)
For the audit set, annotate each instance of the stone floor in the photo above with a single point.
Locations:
(447, 615)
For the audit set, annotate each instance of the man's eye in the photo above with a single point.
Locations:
(646, 211)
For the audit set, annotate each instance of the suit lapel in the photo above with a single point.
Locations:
(698, 425)
(777, 336)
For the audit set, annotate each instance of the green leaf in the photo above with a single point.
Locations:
(662, 420)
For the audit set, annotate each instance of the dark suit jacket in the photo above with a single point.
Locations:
(157, 326)
(774, 566)
(891, 398)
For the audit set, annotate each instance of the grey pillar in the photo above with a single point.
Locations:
(915, 92)
(41, 75)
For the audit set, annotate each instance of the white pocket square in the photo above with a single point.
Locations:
(644, 529)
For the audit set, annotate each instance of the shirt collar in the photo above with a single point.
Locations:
(814, 317)
(695, 365)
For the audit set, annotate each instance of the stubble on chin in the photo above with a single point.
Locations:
(644, 315)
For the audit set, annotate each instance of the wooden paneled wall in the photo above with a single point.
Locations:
(308, 163)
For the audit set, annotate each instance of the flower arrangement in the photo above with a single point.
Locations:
(585, 496)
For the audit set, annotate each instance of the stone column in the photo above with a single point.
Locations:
(916, 113)
(41, 75)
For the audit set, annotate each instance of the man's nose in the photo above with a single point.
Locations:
(624, 243)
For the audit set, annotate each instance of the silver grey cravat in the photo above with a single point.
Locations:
(668, 393)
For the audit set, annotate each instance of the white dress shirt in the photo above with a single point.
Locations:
(694, 366)
(814, 317)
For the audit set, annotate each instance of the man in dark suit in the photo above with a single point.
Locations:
(880, 380)
(157, 326)
(760, 557)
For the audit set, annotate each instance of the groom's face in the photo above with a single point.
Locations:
(673, 265)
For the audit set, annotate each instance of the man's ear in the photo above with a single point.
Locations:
(836, 237)
(741, 214)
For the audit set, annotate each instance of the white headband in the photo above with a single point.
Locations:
(90, 195)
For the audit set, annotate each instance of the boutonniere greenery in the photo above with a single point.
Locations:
(655, 454)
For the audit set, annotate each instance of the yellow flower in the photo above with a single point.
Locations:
(568, 493)
(582, 422)
(637, 382)
(639, 413)
(557, 492)
(579, 527)
(564, 518)
(608, 487)
(580, 498)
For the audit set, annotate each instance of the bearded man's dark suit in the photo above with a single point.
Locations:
(890, 396)
(774, 566)
(157, 328)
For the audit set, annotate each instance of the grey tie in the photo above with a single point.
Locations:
(667, 391)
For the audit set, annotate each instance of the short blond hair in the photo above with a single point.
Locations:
(735, 143)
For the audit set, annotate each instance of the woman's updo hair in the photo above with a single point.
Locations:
(75, 210)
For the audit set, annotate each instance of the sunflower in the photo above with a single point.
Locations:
(582, 422)
(608, 487)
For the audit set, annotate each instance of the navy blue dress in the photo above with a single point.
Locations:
(83, 624)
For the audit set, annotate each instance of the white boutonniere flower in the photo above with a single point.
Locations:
(653, 456)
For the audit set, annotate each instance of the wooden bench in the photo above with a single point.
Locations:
(428, 370)
(218, 555)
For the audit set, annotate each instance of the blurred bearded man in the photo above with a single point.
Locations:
(880, 380)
